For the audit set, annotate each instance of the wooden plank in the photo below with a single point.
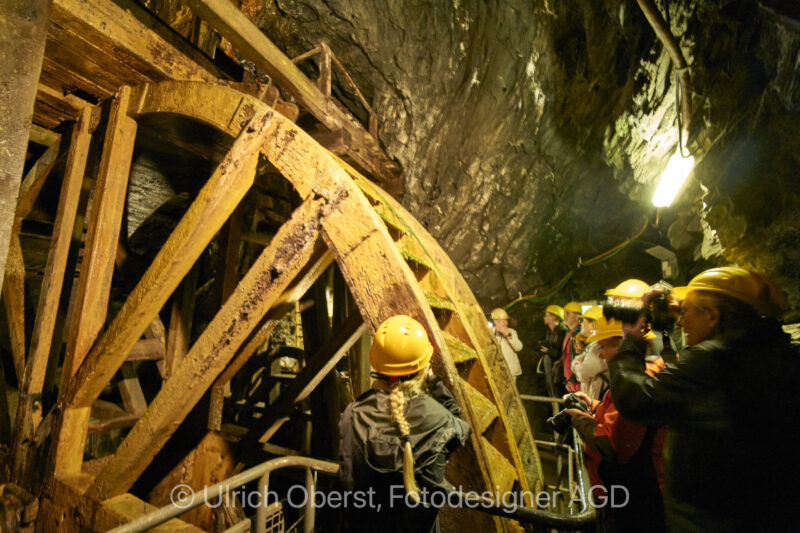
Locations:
(29, 412)
(272, 272)
(215, 202)
(14, 302)
(147, 350)
(228, 256)
(180, 324)
(32, 184)
(97, 268)
(114, 32)
(319, 366)
(43, 136)
(256, 47)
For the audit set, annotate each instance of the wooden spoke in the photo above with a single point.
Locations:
(276, 267)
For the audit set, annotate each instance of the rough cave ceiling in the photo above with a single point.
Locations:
(531, 133)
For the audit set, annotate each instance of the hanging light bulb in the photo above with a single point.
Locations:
(676, 172)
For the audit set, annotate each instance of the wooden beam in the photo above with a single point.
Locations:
(228, 256)
(97, 268)
(213, 205)
(131, 391)
(272, 272)
(43, 136)
(29, 412)
(147, 350)
(14, 301)
(32, 184)
(315, 370)
(251, 42)
(23, 28)
(114, 33)
(180, 324)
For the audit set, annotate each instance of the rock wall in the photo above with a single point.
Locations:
(532, 134)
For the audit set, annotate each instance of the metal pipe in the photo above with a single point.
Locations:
(172, 510)
(261, 510)
(308, 512)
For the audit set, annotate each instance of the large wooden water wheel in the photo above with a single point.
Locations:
(390, 264)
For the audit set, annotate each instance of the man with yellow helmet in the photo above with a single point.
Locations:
(732, 462)
(397, 436)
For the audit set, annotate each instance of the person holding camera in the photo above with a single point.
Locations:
(731, 458)
(620, 452)
(508, 340)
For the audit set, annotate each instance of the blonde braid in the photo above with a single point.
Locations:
(397, 401)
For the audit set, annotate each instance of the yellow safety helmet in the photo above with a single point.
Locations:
(556, 310)
(756, 290)
(574, 307)
(499, 314)
(631, 288)
(605, 329)
(593, 313)
(400, 347)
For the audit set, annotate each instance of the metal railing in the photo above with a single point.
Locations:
(576, 520)
(260, 472)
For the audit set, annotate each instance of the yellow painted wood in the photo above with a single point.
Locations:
(483, 410)
(460, 352)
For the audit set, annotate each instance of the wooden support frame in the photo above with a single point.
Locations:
(29, 411)
(271, 274)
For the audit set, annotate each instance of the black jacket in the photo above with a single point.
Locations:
(371, 457)
(732, 461)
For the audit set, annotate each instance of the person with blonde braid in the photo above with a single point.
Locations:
(396, 437)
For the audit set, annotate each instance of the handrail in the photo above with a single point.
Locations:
(478, 502)
(196, 499)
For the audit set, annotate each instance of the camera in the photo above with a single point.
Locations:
(656, 313)
(561, 422)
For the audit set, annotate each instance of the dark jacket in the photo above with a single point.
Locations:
(732, 459)
(371, 456)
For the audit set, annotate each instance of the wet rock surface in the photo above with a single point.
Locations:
(532, 134)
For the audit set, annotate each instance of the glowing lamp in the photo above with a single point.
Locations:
(678, 168)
